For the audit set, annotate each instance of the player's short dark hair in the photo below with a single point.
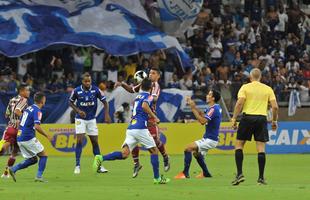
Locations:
(216, 94)
(38, 97)
(86, 75)
(156, 69)
(22, 87)
(146, 84)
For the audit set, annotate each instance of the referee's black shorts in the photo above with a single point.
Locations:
(253, 125)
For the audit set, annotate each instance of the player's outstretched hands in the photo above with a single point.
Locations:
(107, 119)
(274, 125)
(82, 114)
(190, 102)
(117, 84)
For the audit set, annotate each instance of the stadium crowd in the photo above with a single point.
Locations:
(225, 43)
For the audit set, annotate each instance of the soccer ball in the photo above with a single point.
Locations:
(139, 76)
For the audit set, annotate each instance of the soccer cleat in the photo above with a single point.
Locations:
(261, 181)
(77, 170)
(97, 163)
(181, 175)
(161, 180)
(136, 170)
(239, 179)
(102, 170)
(201, 176)
(12, 174)
(166, 164)
(40, 179)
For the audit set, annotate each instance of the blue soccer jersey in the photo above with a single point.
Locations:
(86, 101)
(214, 116)
(139, 117)
(31, 116)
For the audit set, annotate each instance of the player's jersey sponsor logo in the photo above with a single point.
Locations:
(65, 140)
(85, 104)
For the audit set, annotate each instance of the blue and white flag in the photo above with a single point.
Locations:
(120, 27)
(176, 16)
(293, 103)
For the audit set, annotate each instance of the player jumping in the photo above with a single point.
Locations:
(212, 120)
(14, 111)
(154, 76)
(30, 147)
(137, 132)
(83, 100)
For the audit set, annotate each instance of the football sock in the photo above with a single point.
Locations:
(78, 152)
(96, 149)
(187, 162)
(116, 155)
(239, 160)
(162, 150)
(11, 161)
(155, 165)
(42, 164)
(201, 161)
(261, 158)
(24, 164)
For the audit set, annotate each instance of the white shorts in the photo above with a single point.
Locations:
(142, 136)
(205, 144)
(30, 148)
(86, 126)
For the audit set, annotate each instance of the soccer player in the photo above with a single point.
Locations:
(253, 101)
(83, 100)
(211, 119)
(137, 132)
(14, 111)
(154, 76)
(30, 147)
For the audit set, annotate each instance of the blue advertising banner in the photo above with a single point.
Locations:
(291, 137)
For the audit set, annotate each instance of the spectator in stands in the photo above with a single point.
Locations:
(131, 67)
(186, 83)
(122, 114)
(78, 62)
(98, 65)
(174, 82)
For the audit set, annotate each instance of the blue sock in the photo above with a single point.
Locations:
(96, 149)
(42, 164)
(24, 164)
(187, 162)
(116, 155)
(78, 152)
(155, 164)
(201, 161)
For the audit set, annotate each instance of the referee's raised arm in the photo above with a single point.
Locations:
(253, 99)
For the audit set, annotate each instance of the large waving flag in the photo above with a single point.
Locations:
(120, 27)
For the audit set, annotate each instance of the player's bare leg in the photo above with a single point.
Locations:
(3, 149)
(239, 160)
(78, 152)
(261, 158)
(96, 151)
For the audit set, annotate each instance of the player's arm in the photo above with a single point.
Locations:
(20, 106)
(197, 113)
(72, 99)
(147, 109)
(37, 121)
(238, 106)
(275, 109)
(103, 99)
(128, 88)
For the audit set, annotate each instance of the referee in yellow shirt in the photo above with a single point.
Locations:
(253, 99)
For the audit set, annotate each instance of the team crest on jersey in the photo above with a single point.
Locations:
(133, 122)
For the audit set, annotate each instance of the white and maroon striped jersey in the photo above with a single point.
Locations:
(19, 103)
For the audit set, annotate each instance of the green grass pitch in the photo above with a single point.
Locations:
(288, 177)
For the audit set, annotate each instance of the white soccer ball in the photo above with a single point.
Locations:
(139, 76)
